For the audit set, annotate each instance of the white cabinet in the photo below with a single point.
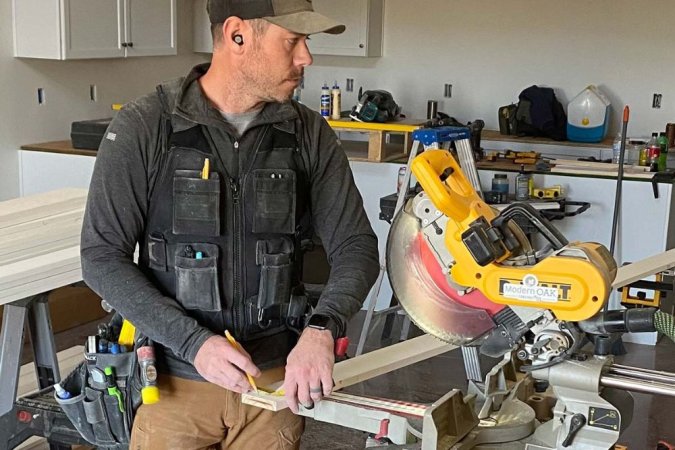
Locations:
(364, 20)
(79, 29)
(43, 172)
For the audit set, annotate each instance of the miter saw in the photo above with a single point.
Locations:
(469, 276)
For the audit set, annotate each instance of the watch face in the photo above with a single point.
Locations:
(318, 321)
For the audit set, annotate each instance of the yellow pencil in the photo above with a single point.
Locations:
(236, 345)
(206, 170)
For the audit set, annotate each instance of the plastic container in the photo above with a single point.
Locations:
(325, 101)
(523, 185)
(336, 102)
(588, 116)
(663, 143)
(653, 152)
(500, 183)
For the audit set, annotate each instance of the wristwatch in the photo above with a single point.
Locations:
(324, 322)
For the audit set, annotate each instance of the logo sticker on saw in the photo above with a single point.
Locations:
(531, 290)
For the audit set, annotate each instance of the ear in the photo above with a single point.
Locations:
(235, 33)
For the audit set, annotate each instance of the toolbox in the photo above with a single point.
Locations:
(88, 134)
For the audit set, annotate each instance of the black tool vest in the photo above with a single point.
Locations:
(227, 246)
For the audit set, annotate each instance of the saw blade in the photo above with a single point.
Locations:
(420, 286)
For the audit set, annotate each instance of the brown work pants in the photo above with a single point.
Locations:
(195, 415)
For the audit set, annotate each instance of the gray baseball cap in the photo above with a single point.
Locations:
(297, 16)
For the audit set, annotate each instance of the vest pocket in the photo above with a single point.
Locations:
(197, 277)
(274, 201)
(196, 203)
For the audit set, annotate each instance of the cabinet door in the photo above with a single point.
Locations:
(92, 28)
(363, 19)
(151, 27)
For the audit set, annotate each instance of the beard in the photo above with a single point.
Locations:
(267, 85)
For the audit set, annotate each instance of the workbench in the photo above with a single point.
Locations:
(39, 252)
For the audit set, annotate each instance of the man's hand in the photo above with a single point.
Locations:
(309, 369)
(220, 363)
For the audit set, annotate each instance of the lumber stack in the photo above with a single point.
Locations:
(40, 243)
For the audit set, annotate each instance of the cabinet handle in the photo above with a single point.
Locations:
(361, 46)
(130, 44)
(124, 44)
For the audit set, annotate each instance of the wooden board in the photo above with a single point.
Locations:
(362, 368)
(494, 135)
(40, 206)
(641, 269)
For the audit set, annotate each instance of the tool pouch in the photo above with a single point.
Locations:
(277, 304)
(96, 414)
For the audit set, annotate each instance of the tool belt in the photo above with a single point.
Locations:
(103, 418)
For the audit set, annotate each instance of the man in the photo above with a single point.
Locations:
(218, 177)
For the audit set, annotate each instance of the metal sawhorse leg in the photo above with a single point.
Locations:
(21, 420)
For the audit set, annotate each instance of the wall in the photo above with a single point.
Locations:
(490, 51)
(66, 85)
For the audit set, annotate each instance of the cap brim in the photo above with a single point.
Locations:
(307, 22)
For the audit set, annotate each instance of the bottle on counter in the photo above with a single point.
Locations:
(616, 149)
(325, 100)
(663, 157)
(653, 153)
(500, 183)
(336, 102)
(523, 184)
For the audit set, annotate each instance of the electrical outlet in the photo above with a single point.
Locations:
(349, 86)
(41, 96)
(656, 101)
(93, 93)
(447, 92)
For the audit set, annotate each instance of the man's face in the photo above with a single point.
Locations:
(276, 64)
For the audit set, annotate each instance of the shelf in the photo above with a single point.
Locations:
(493, 135)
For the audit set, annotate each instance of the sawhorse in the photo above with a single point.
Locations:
(39, 414)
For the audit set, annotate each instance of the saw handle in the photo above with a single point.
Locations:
(551, 233)
(444, 182)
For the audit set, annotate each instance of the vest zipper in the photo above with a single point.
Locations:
(234, 186)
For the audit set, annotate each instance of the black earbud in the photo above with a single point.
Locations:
(238, 39)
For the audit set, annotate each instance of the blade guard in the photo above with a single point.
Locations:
(573, 283)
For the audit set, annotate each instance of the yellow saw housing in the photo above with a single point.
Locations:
(573, 282)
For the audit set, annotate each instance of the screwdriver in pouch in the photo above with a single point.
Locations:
(113, 390)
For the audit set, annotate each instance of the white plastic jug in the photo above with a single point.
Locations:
(588, 116)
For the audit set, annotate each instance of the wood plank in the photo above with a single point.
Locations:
(636, 271)
(362, 368)
(494, 135)
(40, 286)
(26, 209)
(34, 268)
(27, 241)
(376, 145)
(388, 359)
(46, 222)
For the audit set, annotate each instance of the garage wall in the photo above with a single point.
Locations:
(490, 51)
(66, 85)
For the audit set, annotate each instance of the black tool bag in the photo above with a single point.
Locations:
(539, 113)
(93, 411)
